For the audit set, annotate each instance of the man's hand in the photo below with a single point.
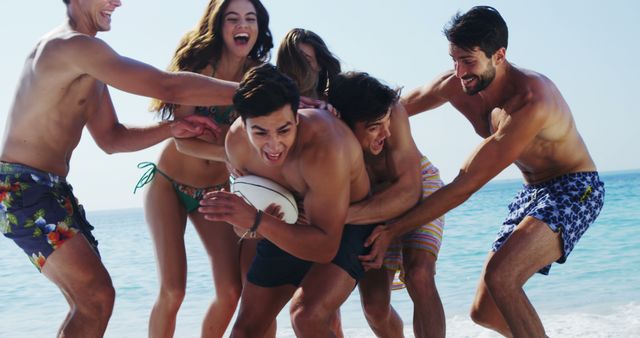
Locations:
(193, 126)
(227, 207)
(379, 241)
(307, 102)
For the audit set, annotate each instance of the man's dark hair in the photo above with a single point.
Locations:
(481, 26)
(66, 1)
(263, 90)
(359, 97)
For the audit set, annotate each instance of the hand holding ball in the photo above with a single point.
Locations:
(261, 192)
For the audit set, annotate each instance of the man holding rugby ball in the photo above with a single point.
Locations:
(316, 157)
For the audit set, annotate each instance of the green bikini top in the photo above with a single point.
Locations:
(219, 114)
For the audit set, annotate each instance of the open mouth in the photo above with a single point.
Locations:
(241, 38)
(106, 15)
(468, 81)
(272, 157)
(379, 144)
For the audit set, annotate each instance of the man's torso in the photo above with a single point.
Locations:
(557, 148)
(52, 104)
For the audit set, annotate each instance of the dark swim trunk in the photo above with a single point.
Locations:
(39, 212)
(569, 204)
(273, 266)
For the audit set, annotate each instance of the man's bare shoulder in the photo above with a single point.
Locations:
(322, 128)
(326, 139)
(60, 50)
(536, 92)
(398, 114)
(447, 86)
(400, 128)
(236, 144)
(236, 135)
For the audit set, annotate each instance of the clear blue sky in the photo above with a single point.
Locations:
(587, 48)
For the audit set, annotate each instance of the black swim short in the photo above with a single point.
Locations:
(273, 266)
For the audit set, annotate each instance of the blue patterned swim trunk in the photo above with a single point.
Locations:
(569, 204)
(39, 212)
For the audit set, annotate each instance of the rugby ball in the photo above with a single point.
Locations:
(261, 192)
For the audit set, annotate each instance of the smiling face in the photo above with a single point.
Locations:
(474, 69)
(273, 135)
(98, 13)
(240, 27)
(372, 135)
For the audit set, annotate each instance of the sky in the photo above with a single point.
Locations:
(587, 48)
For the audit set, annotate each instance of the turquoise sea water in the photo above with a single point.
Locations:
(595, 294)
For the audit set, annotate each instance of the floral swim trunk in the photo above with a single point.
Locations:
(568, 204)
(39, 212)
(427, 237)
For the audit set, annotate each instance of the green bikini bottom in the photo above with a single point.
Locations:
(189, 196)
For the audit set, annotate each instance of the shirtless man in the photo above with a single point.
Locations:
(399, 176)
(63, 87)
(524, 120)
(316, 156)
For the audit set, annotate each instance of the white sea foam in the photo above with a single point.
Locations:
(621, 322)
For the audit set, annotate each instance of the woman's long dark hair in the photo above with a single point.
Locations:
(292, 62)
(203, 45)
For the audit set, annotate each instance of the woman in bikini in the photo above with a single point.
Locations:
(231, 37)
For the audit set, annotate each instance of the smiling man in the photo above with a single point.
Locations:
(524, 120)
(399, 176)
(62, 89)
(315, 156)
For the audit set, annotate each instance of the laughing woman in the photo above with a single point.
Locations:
(231, 37)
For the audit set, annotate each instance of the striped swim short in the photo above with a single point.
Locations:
(427, 237)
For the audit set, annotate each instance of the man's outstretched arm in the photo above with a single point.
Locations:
(514, 133)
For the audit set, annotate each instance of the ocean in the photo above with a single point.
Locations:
(596, 293)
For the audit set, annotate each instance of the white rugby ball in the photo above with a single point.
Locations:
(261, 192)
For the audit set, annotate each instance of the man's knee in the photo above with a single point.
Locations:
(376, 311)
(96, 301)
(420, 277)
(309, 319)
(229, 296)
(478, 315)
(375, 304)
(498, 280)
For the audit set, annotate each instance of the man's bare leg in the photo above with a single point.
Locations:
(532, 246)
(428, 312)
(259, 307)
(336, 325)
(77, 270)
(314, 305)
(375, 296)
